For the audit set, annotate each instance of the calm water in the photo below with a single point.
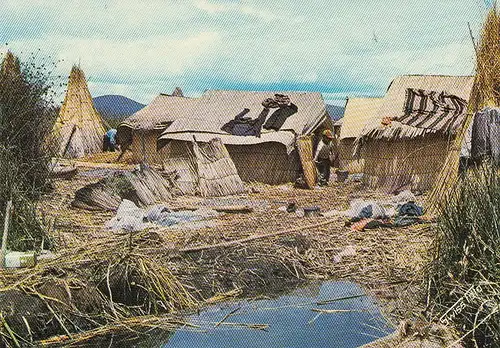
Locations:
(291, 321)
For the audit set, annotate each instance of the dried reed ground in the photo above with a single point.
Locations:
(388, 262)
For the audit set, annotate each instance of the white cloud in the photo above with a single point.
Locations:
(135, 59)
(145, 47)
(212, 7)
(247, 8)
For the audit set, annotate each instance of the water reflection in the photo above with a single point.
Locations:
(329, 314)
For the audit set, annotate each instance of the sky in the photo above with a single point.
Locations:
(340, 48)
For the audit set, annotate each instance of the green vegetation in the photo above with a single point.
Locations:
(26, 117)
(465, 283)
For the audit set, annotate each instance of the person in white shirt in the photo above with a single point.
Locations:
(322, 158)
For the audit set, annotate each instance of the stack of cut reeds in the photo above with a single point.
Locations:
(145, 186)
(485, 92)
(104, 269)
(216, 172)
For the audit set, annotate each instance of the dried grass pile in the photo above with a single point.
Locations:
(106, 284)
(144, 186)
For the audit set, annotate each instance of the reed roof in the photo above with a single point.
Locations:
(357, 113)
(393, 102)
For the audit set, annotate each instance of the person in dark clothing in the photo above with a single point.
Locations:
(322, 157)
(109, 141)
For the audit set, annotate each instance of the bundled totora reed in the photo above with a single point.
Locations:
(485, 92)
(305, 146)
(216, 172)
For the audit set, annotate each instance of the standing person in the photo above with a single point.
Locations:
(322, 158)
(110, 140)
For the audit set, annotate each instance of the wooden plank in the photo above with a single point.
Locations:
(306, 155)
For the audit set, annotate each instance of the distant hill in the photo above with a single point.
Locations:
(116, 107)
(335, 112)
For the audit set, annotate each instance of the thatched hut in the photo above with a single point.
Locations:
(139, 132)
(79, 129)
(398, 156)
(271, 158)
(358, 112)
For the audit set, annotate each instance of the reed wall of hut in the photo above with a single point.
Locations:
(144, 149)
(267, 163)
(177, 155)
(347, 161)
(358, 112)
(398, 164)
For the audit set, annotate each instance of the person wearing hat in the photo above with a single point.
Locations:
(324, 152)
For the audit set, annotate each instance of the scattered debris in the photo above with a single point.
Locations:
(17, 259)
(291, 207)
(300, 213)
(131, 218)
(349, 250)
(403, 197)
(361, 209)
(358, 177)
(342, 175)
(46, 255)
(58, 170)
(398, 211)
(312, 212)
(230, 209)
(410, 209)
(402, 221)
(215, 203)
(370, 223)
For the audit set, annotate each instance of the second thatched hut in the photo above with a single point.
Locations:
(79, 129)
(399, 156)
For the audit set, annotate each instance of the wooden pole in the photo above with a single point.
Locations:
(255, 237)
(472, 38)
(66, 147)
(3, 249)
